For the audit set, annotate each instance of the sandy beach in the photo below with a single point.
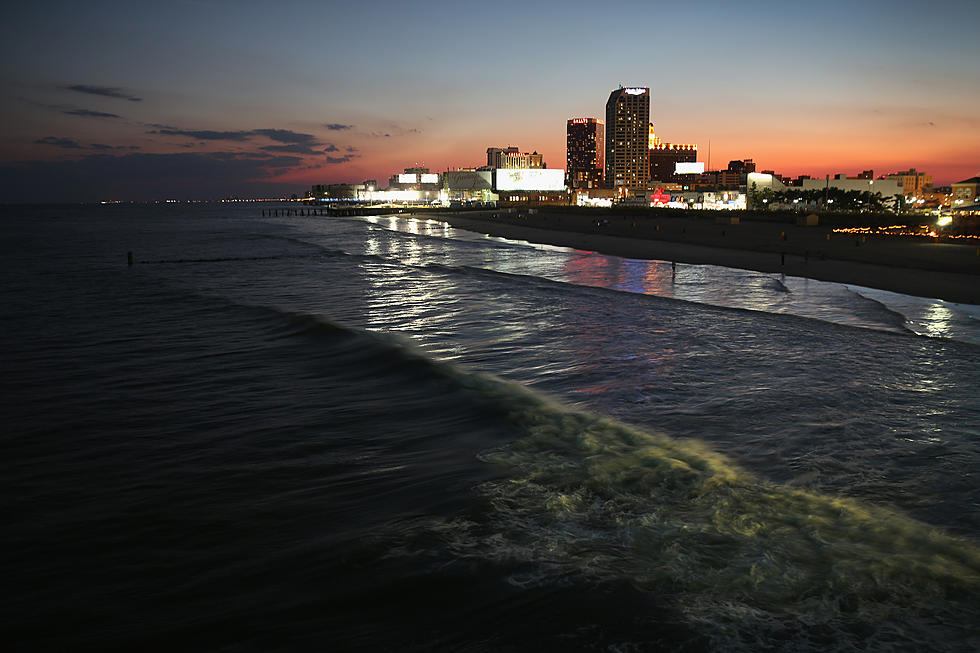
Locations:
(942, 270)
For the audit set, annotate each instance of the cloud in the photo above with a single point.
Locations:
(90, 114)
(103, 148)
(104, 91)
(66, 143)
(292, 142)
(205, 134)
(330, 147)
(337, 127)
(294, 148)
(285, 136)
(344, 158)
(350, 148)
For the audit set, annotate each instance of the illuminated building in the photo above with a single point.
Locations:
(527, 186)
(512, 157)
(467, 185)
(665, 157)
(414, 179)
(913, 181)
(965, 193)
(627, 138)
(586, 152)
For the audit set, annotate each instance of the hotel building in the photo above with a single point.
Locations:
(586, 152)
(627, 138)
(664, 158)
(512, 158)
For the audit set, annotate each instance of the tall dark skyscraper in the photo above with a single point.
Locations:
(586, 153)
(628, 137)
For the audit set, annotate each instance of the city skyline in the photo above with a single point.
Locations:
(110, 101)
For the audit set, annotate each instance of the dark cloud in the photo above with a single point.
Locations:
(337, 127)
(350, 148)
(104, 91)
(286, 136)
(344, 158)
(330, 147)
(205, 134)
(294, 148)
(90, 114)
(100, 176)
(66, 143)
(287, 141)
(104, 148)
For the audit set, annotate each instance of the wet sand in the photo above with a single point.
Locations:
(942, 270)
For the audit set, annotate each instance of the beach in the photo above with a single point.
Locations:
(911, 266)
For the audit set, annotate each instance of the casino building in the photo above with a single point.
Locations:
(511, 157)
(586, 152)
(627, 138)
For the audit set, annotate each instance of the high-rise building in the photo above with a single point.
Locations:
(627, 138)
(586, 153)
(512, 157)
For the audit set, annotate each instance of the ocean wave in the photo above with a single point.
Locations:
(751, 564)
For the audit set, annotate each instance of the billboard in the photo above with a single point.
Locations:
(429, 179)
(530, 179)
(689, 168)
(408, 179)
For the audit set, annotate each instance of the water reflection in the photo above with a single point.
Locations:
(705, 284)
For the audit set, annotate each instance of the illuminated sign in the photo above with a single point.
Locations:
(530, 179)
(579, 121)
(430, 179)
(689, 168)
(635, 91)
(407, 179)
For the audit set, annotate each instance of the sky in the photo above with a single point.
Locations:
(208, 99)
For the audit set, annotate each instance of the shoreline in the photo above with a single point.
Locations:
(946, 271)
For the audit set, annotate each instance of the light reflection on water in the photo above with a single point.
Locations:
(709, 284)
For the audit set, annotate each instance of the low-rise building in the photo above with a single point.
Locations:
(913, 182)
(965, 193)
(338, 191)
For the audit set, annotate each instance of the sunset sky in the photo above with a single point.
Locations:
(205, 99)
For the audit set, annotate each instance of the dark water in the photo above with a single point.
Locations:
(386, 434)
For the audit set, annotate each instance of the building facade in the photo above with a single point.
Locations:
(913, 181)
(585, 152)
(512, 157)
(965, 193)
(664, 158)
(627, 138)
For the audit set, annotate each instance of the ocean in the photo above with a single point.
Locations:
(381, 433)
